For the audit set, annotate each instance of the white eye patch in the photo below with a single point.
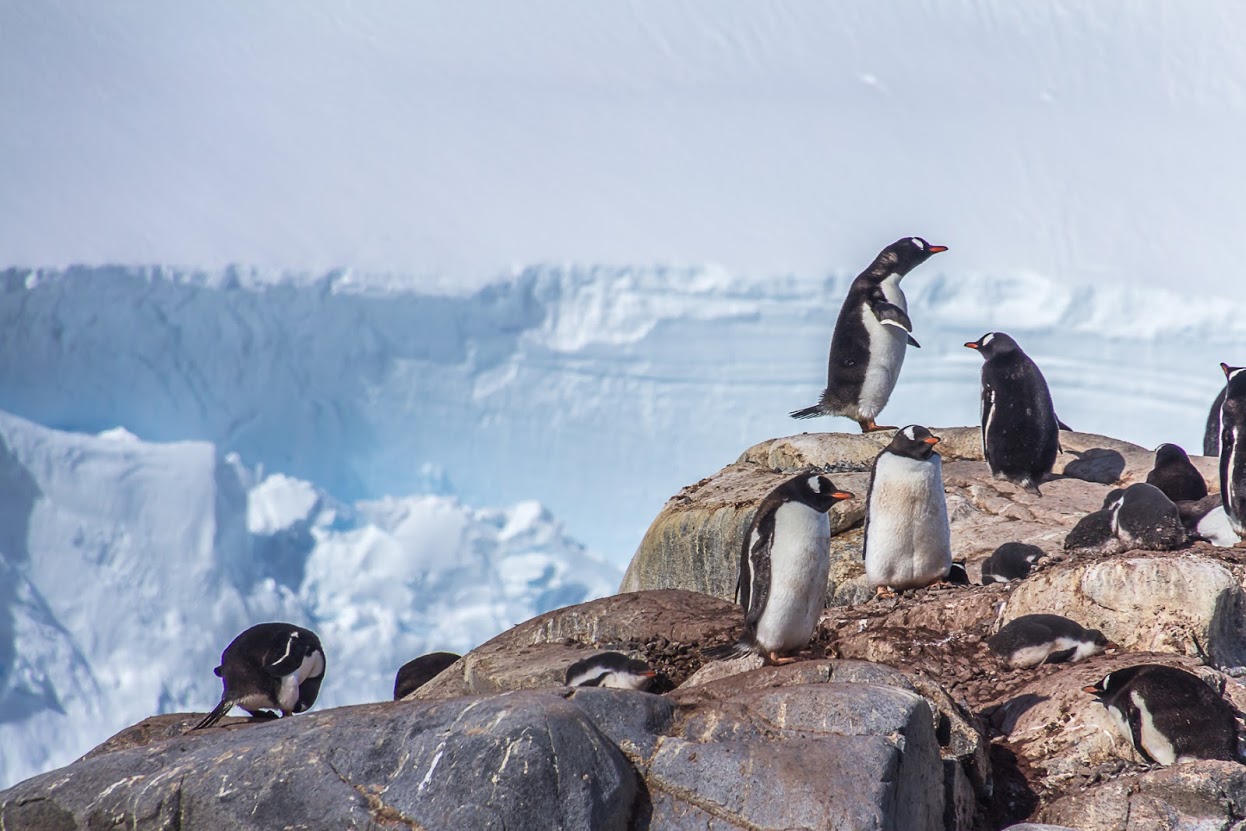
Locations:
(815, 484)
(990, 337)
(920, 245)
(910, 433)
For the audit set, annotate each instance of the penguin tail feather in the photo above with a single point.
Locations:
(808, 412)
(727, 651)
(218, 712)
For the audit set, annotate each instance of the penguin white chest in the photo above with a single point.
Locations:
(887, 345)
(799, 565)
(288, 693)
(1155, 743)
(908, 540)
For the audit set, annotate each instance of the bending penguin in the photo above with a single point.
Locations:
(870, 337)
(1032, 640)
(1233, 448)
(1020, 430)
(1167, 714)
(1011, 561)
(908, 542)
(612, 670)
(271, 666)
(784, 564)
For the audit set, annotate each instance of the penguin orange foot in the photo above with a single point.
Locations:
(868, 426)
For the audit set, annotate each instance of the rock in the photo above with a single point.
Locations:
(1032, 826)
(1187, 796)
(664, 628)
(1186, 603)
(523, 760)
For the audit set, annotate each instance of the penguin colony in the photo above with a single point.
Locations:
(1168, 715)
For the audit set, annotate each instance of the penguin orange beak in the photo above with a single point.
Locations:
(649, 674)
(971, 345)
(932, 440)
(936, 249)
(1090, 689)
(844, 495)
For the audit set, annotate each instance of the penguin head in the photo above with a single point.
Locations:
(1167, 454)
(957, 575)
(904, 255)
(992, 344)
(913, 442)
(816, 491)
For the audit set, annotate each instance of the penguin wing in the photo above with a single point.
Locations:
(295, 648)
(988, 406)
(889, 314)
(1133, 715)
(759, 592)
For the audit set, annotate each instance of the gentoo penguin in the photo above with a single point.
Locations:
(784, 563)
(1020, 431)
(1233, 448)
(610, 669)
(1206, 520)
(419, 671)
(1011, 561)
(1167, 714)
(1144, 518)
(1176, 475)
(1211, 433)
(1031, 640)
(1093, 533)
(908, 541)
(957, 575)
(870, 337)
(271, 666)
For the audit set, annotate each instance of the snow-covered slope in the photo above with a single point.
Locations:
(127, 566)
(596, 391)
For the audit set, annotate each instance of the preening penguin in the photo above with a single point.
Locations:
(908, 542)
(1176, 475)
(1137, 517)
(1020, 431)
(610, 669)
(784, 564)
(271, 666)
(419, 671)
(1011, 561)
(1031, 640)
(1167, 714)
(1233, 448)
(871, 334)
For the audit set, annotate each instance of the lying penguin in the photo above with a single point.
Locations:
(1032, 640)
(1011, 561)
(1206, 520)
(612, 670)
(1139, 517)
(1167, 714)
(419, 671)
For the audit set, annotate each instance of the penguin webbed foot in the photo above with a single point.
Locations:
(885, 593)
(775, 659)
(264, 715)
(868, 426)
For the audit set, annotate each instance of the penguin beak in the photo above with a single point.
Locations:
(971, 345)
(1091, 689)
(932, 440)
(844, 495)
(649, 674)
(936, 249)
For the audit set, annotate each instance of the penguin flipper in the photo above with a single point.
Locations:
(1134, 717)
(889, 314)
(759, 592)
(218, 712)
(913, 342)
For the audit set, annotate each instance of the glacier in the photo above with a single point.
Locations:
(406, 466)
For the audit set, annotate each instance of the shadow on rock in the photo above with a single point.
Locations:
(1097, 464)
(1005, 716)
(1013, 800)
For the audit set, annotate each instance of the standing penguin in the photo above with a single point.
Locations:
(870, 337)
(271, 666)
(908, 543)
(1176, 475)
(1167, 714)
(1020, 431)
(784, 564)
(1233, 448)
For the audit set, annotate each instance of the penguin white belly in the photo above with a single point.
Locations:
(799, 565)
(288, 694)
(909, 541)
(887, 345)
(1216, 527)
(1153, 741)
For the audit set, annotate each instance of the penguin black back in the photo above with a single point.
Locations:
(1020, 430)
(1176, 475)
(1233, 448)
(1144, 518)
(1211, 433)
(609, 669)
(1011, 561)
(870, 336)
(1168, 714)
(419, 671)
(1031, 640)
(271, 666)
